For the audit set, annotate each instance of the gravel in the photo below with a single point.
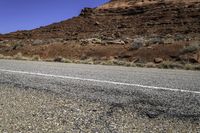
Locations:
(28, 110)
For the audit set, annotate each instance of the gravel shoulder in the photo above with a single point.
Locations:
(28, 110)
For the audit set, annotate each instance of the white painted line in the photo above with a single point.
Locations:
(101, 81)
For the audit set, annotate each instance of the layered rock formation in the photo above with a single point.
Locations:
(148, 29)
(124, 18)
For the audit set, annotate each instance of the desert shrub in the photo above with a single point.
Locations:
(137, 43)
(108, 62)
(150, 65)
(87, 61)
(104, 63)
(83, 57)
(59, 59)
(170, 65)
(188, 66)
(166, 65)
(16, 46)
(191, 48)
(68, 61)
(116, 62)
(192, 67)
(132, 64)
(18, 56)
(36, 58)
(156, 40)
(128, 64)
(140, 65)
(197, 67)
(179, 37)
(1, 56)
(77, 61)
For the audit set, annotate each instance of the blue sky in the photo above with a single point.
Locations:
(29, 14)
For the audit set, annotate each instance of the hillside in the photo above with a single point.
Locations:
(130, 30)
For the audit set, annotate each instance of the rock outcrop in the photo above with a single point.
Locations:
(124, 18)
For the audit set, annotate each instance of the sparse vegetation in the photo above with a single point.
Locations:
(19, 56)
(170, 65)
(192, 67)
(191, 48)
(1, 56)
(59, 59)
(188, 66)
(150, 65)
(163, 65)
(140, 65)
(68, 61)
(36, 58)
(16, 46)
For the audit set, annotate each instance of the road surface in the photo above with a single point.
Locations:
(153, 92)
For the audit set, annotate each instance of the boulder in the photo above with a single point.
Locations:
(87, 12)
(158, 60)
(137, 43)
(195, 58)
(97, 23)
(118, 41)
(155, 40)
(37, 42)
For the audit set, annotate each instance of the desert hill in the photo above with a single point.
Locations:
(131, 30)
(127, 17)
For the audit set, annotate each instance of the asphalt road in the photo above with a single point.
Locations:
(152, 92)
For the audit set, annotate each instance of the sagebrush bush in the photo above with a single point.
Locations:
(188, 66)
(68, 61)
(170, 65)
(36, 58)
(191, 48)
(59, 59)
(140, 65)
(18, 56)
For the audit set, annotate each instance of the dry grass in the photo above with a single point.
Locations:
(1, 56)
(36, 58)
(150, 65)
(170, 65)
(19, 56)
(38, 111)
(192, 67)
(111, 62)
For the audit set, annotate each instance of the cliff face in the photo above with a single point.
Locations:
(124, 18)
